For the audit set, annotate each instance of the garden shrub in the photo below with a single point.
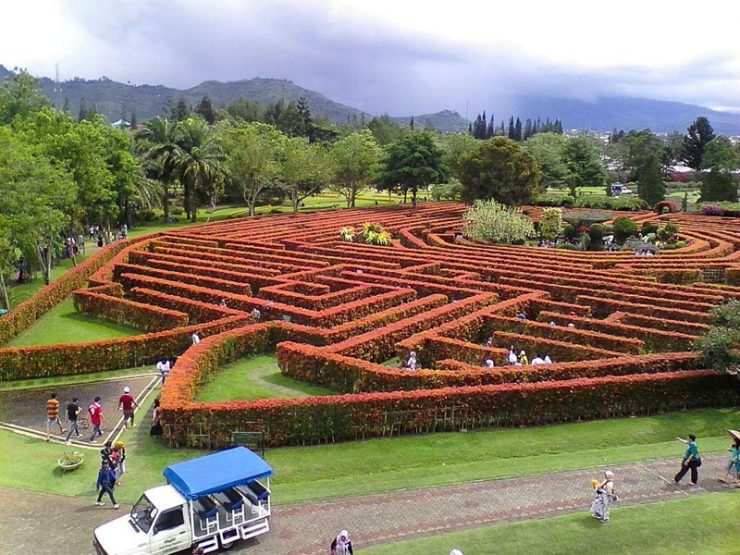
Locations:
(624, 228)
(375, 234)
(551, 223)
(491, 222)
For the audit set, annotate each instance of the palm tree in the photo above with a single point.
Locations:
(156, 146)
(198, 162)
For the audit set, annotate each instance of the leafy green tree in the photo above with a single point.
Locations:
(698, 135)
(548, 149)
(253, 158)
(198, 162)
(181, 110)
(37, 195)
(205, 109)
(502, 170)
(583, 164)
(719, 343)
(717, 186)
(650, 185)
(156, 145)
(304, 168)
(245, 110)
(20, 96)
(413, 163)
(385, 130)
(356, 162)
(455, 148)
(720, 155)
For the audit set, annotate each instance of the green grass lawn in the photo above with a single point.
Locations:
(75, 379)
(63, 324)
(257, 377)
(703, 524)
(378, 465)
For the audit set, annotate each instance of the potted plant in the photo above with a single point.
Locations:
(71, 460)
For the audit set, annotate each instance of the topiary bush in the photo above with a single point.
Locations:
(624, 227)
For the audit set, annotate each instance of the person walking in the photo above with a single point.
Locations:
(691, 460)
(95, 410)
(341, 545)
(52, 414)
(105, 484)
(156, 429)
(120, 448)
(605, 491)
(127, 403)
(733, 466)
(195, 338)
(73, 411)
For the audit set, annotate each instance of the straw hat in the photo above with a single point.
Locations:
(609, 475)
(734, 433)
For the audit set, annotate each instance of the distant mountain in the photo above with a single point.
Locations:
(116, 100)
(607, 113)
(446, 121)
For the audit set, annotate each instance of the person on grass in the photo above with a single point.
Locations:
(105, 484)
(127, 403)
(119, 447)
(52, 415)
(73, 411)
(691, 460)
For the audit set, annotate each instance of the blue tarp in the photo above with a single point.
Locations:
(216, 472)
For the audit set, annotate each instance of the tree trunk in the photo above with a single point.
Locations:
(4, 290)
(405, 195)
(413, 197)
(166, 202)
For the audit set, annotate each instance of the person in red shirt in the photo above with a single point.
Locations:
(127, 403)
(95, 410)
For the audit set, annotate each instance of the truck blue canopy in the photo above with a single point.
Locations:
(217, 472)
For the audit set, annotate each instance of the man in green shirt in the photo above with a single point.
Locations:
(691, 460)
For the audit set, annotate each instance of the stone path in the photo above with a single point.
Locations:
(26, 408)
(49, 524)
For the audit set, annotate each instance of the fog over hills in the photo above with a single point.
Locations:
(119, 100)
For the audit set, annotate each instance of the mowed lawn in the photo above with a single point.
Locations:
(63, 324)
(699, 524)
(257, 377)
(386, 464)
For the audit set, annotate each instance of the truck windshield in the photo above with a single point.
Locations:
(143, 513)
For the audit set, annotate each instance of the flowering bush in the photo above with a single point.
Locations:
(551, 223)
(491, 222)
(375, 234)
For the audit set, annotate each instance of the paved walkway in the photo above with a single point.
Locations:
(48, 524)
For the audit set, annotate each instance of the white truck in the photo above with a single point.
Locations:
(210, 502)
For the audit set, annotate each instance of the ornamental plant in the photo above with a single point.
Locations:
(551, 223)
(347, 234)
(491, 222)
(375, 234)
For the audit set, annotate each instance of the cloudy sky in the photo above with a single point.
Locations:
(394, 56)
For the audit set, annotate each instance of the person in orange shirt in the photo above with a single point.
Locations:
(52, 414)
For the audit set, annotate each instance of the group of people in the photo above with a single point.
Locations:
(605, 490)
(112, 468)
(94, 412)
(523, 360)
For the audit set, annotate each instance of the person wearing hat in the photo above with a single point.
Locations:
(733, 467)
(127, 403)
(341, 545)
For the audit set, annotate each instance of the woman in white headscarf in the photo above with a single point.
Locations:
(411, 363)
(605, 492)
(341, 545)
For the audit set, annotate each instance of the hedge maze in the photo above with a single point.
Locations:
(618, 327)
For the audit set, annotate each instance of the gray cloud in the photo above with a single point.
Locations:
(377, 69)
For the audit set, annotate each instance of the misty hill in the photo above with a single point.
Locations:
(607, 113)
(116, 100)
(446, 120)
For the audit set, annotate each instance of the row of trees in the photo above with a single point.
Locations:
(479, 129)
